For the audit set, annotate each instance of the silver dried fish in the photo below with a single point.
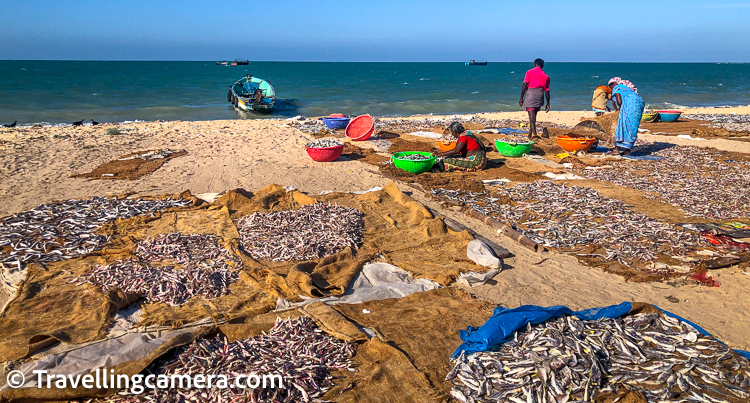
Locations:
(58, 231)
(568, 359)
(312, 231)
(295, 349)
(324, 143)
(207, 270)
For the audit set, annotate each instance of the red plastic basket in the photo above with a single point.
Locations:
(327, 154)
(360, 128)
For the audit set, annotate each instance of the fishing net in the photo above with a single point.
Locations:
(132, 166)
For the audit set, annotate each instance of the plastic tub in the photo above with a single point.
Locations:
(415, 167)
(670, 116)
(326, 154)
(571, 144)
(446, 145)
(335, 123)
(513, 150)
(360, 128)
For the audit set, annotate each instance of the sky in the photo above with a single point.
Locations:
(405, 30)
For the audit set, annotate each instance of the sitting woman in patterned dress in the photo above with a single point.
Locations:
(468, 155)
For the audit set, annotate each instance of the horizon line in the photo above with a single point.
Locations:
(321, 61)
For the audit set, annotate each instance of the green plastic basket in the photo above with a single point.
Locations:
(513, 150)
(415, 167)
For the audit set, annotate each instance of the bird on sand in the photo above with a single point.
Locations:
(78, 123)
(12, 124)
(94, 122)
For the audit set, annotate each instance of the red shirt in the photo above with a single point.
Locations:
(471, 144)
(537, 78)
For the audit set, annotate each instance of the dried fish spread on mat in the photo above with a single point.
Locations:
(695, 179)
(59, 231)
(295, 349)
(208, 270)
(561, 216)
(312, 231)
(569, 359)
(738, 123)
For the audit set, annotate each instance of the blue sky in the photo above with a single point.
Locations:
(405, 30)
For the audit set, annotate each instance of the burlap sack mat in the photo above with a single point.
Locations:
(48, 308)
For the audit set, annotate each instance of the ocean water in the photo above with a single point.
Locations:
(66, 91)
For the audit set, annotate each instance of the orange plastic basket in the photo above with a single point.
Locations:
(571, 144)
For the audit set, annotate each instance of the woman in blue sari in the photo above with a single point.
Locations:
(626, 99)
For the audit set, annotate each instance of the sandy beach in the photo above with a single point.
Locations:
(38, 164)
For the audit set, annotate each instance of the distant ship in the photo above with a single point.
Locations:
(236, 62)
(475, 63)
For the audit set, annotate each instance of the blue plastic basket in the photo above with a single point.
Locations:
(336, 123)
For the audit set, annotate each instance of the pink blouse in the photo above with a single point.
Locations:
(537, 78)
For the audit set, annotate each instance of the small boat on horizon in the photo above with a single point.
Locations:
(252, 94)
(475, 63)
(236, 62)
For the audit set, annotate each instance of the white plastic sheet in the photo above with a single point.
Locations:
(375, 281)
(481, 254)
(473, 279)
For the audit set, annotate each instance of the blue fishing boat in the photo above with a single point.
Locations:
(252, 94)
(475, 63)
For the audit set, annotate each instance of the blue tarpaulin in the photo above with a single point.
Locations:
(508, 130)
(504, 322)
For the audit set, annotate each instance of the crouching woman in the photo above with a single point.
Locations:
(467, 156)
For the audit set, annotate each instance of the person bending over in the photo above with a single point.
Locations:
(602, 95)
(626, 99)
(533, 92)
(468, 155)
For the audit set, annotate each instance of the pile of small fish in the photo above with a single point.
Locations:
(513, 140)
(560, 216)
(58, 231)
(568, 359)
(208, 270)
(324, 143)
(150, 155)
(311, 126)
(313, 231)
(294, 349)
(735, 123)
(415, 157)
(695, 179)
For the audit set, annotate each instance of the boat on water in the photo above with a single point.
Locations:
(236, 62)
(475, 63)
(252, 94)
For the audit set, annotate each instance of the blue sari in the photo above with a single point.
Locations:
(631, 111)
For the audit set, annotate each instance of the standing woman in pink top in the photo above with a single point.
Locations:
(535, 89)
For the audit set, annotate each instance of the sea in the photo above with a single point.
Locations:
(59, 92)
